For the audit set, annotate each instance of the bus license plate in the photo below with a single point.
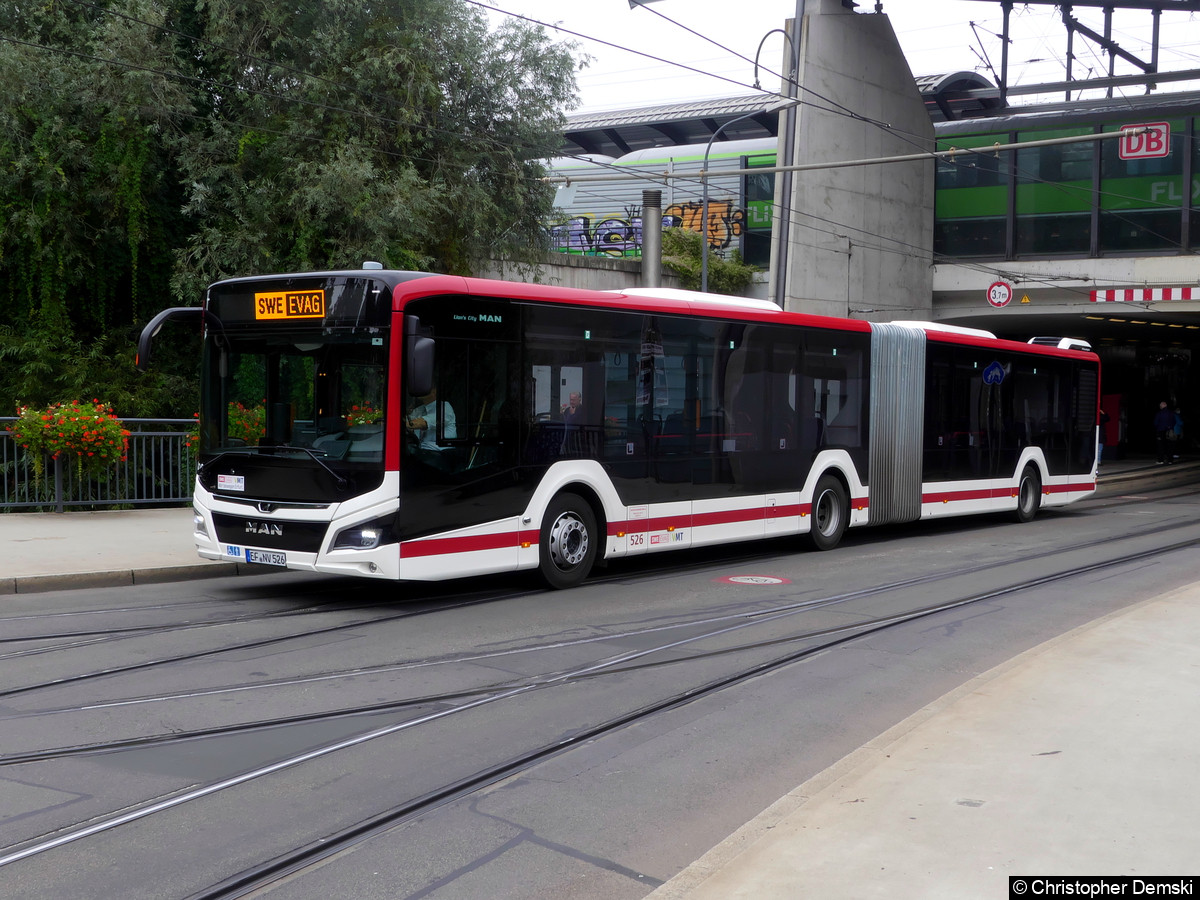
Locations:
(266, 557)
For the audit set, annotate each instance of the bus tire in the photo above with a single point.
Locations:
(1029, 495)
(830, 513)
(568, 544)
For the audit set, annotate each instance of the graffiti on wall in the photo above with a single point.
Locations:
(621, 234)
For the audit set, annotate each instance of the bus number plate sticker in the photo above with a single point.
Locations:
(266, 557)
(231, 482)
(289, 305)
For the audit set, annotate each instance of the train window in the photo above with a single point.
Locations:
(1054, 195)
(971, 203)
(1141, 200)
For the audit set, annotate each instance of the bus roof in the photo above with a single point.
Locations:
(407, 286)
(668, 301)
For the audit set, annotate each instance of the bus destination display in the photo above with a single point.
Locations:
(289, 305)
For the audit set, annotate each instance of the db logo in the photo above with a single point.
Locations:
(1154, 142)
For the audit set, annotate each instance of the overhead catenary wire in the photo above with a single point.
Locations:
(950, 154)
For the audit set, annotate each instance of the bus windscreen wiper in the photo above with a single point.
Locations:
(339, 479)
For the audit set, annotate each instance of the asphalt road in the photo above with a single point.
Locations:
(495, 740)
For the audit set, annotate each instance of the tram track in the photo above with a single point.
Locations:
(435, 707)
(822, 639)
(734, 645)
(244, 645)
(166, 627)
(335, 842)
(739, 617)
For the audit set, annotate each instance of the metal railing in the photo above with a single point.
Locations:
(159, 469)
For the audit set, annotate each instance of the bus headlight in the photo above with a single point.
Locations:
(198, 524)
(364, 536)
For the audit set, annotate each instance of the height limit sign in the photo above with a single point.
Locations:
(999, 294)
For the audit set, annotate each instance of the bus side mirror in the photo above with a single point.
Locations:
(418, 358)
(146, 338)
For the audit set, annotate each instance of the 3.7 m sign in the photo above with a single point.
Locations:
(1153, 142)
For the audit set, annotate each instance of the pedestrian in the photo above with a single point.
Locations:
(1164, 424)
(1104, 420)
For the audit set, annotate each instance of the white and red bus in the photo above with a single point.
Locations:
(409, 426)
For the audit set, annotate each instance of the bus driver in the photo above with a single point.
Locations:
(422, 421)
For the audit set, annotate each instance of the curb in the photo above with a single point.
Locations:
(39, 584)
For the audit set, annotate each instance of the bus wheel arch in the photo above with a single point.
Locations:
(1029, 493)
(569, 540)
(830, 515)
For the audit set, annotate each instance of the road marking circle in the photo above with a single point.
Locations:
(754, 579)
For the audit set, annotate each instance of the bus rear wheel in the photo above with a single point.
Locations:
(568, 543)
(1029, 494)
(830, 513)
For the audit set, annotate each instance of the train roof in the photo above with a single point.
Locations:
(1125, 110)
(663, 156)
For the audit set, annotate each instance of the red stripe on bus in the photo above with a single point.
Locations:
(466, 544)
(1069, 488)
(995, 493)
(979, 494)
(728, 516)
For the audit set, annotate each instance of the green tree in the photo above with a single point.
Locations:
(402, 132)
(150, 148)
(89, 197)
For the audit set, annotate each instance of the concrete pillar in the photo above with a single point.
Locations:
(861, 239)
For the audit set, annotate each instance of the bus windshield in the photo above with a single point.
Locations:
(310, 394)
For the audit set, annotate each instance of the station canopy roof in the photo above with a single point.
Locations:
(617, 132)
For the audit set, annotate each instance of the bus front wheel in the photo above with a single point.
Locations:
(1029, 494)
(568, 542)
(830, 513)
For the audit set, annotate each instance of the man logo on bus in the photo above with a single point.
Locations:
(993, 374)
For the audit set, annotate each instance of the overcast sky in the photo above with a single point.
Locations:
(936, 35)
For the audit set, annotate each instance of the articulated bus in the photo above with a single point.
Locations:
(409, 426)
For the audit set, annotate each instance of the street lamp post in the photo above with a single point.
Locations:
(774, 107)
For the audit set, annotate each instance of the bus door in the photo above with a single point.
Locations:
(459, 450)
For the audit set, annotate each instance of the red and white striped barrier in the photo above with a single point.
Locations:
(1145, 295)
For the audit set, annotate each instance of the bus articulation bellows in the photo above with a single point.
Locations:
(410, 426)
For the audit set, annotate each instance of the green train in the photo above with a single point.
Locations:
(1068, 200)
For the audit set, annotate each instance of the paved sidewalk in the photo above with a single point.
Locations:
(1078, 757)
(59, 551)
